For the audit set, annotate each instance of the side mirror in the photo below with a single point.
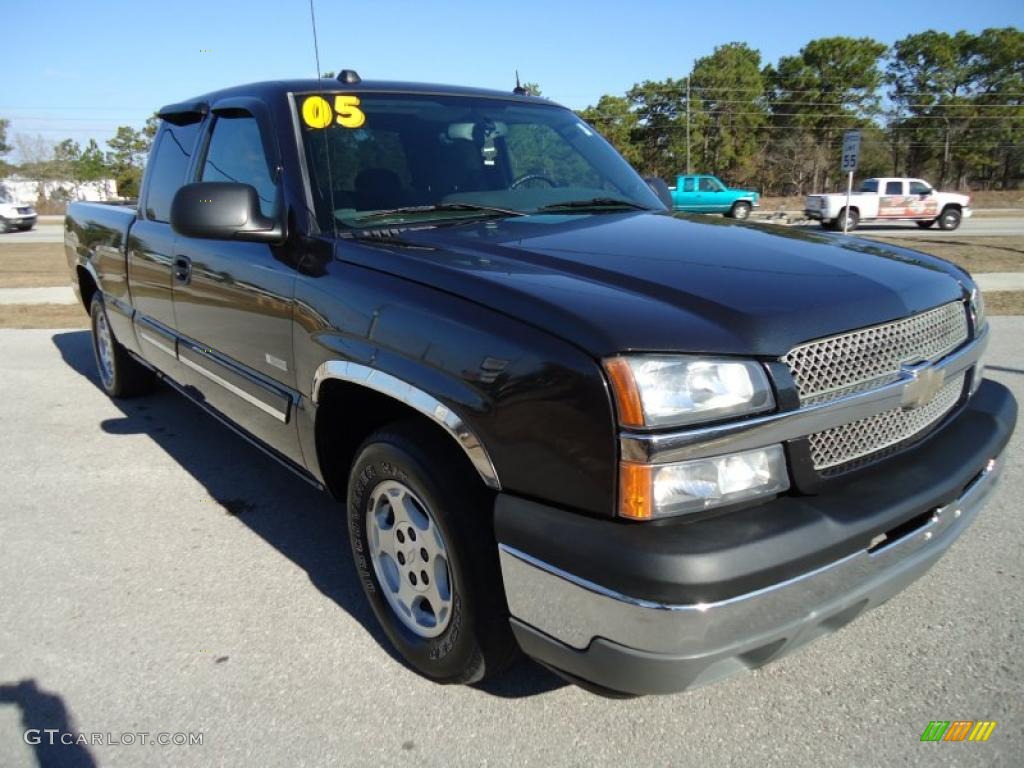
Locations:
(220, 210)
(660, 188)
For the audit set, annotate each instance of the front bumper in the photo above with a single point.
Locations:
(622, 640)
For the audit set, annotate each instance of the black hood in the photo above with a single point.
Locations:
(651, 282)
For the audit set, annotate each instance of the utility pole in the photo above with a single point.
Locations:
(688, 169)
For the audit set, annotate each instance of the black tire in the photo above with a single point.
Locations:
(5, 225)
(120, 374)
(837, 225)
(950, 219)
(26, 228)
(477, 640)
(740, 210)
(925, 224)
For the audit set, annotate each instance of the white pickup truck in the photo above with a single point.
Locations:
(891, 200)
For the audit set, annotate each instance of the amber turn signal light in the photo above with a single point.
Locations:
(636, 491)
(627, 396)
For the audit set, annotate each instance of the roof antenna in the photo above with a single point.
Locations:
(519, 90)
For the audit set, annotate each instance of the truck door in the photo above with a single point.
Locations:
(150, 247)
(684, 193)
(233, 300)
(925, 201)
(893, 203)
(709, 195)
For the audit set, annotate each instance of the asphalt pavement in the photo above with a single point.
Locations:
(159, 575)
(976, 226)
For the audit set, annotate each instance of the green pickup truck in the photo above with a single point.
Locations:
(707, 194)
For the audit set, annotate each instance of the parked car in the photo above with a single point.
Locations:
(886, 199)
(707, 194)
(646, 451)
(15, 215)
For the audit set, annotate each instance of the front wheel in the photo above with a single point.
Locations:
(121, 375)
(950, 219)
(739, 210)
(421, 531)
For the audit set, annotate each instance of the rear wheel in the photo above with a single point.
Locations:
(852, 225)
(740, 210)
(949, 219)
(121, 375)
(422, 536)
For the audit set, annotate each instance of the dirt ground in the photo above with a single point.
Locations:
(33, 265)
(43, 316)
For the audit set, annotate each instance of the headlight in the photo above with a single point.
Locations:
(977, 310)
(673, 390)
(653, 491)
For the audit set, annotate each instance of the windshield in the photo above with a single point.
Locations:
(451, 157)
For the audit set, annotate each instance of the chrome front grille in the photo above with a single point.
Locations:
(849, 442)
(870, 357)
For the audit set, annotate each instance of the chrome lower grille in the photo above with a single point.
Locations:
(870, 357)
(849, 442)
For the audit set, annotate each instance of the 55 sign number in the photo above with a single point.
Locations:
(317, 112)
(851, 150)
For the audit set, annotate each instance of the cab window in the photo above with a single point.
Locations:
(894, 187)
(919, 188)
(709, 185)
(871, 185)
(167, 168)
(236, 154)
(688, 185)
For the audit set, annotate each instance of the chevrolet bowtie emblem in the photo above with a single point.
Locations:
(924, 384)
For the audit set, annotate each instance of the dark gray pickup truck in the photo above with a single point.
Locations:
(645, 450)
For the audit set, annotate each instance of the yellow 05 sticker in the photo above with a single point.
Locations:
(317, 112)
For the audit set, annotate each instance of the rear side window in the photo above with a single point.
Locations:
(687, 185)
(167, 168)
(236, 154)
(894, 187)
(871, 185)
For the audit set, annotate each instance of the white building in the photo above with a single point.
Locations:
(28, 191)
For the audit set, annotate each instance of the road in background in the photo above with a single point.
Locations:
(976, 226)
(158, 574)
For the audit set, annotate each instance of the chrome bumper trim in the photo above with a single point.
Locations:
(759, 431)
(574, 611)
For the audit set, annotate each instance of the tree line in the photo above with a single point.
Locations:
(946, 107)
(67, 160)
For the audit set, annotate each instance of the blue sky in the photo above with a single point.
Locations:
(78, 69)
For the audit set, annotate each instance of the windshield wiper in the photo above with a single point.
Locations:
(440, 208)
(597, 203)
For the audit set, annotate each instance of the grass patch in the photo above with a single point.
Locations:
(33, 265)
(975, 254)
(1004, 302)
(43, 316)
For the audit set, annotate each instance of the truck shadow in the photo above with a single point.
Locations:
(303, 524)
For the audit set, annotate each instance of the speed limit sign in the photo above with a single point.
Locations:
(851, 150)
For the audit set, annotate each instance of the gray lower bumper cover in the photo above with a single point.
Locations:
(637, 646)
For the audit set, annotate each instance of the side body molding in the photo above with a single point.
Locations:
(417, 399)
